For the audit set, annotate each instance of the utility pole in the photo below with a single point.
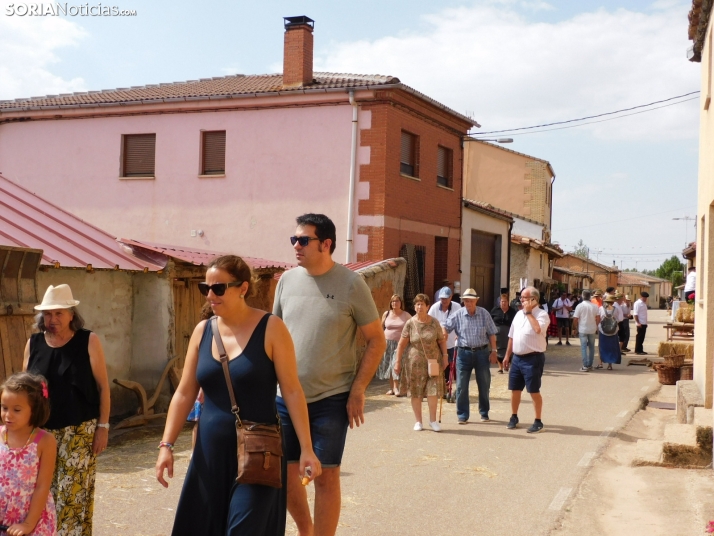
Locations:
(686, 219)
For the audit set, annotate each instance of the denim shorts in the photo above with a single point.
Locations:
(526, 372)
(328, 429)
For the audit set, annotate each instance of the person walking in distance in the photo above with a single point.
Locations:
(477, 349)
(586, 320)
(527, 346)
(323, 305)
(640, 313)
(624, 326)
(562, 307)
(502, 315)
(441, 310)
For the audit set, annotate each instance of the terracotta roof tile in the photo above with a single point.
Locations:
(198, 257)
(219, 87)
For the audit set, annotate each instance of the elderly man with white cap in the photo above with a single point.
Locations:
(477, 349)
(441, 311)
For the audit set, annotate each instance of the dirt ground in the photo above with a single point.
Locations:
(572, 479)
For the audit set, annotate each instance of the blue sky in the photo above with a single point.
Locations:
(508, 63)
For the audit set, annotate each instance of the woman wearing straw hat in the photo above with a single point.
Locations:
(608, 327)
(72, 360)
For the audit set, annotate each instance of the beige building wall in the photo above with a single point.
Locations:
(512, 181)
(529, 263)
(473, 220)
(704, 332)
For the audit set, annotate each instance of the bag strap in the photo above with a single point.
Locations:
(235, 410)
(416, 325)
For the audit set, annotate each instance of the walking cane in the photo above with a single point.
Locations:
(441, 403)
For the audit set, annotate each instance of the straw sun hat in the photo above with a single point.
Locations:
(470, 294)
(59, 297)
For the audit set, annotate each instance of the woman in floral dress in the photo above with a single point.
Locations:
(424, 338)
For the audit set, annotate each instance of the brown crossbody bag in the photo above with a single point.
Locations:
(260, 446)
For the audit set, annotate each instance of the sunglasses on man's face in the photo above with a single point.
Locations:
(302, 240)
(219, 289)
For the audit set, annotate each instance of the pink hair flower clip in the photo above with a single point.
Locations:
(45, 393)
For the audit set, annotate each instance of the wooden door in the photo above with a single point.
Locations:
(188, 302)
(18, 296)
(483, 267)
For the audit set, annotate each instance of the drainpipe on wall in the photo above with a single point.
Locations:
(508, 273)
(353, 180)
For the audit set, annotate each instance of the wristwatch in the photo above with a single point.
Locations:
(104, 425)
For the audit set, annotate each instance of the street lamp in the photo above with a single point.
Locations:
(686, 219)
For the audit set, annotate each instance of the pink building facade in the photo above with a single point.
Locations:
(280, 163)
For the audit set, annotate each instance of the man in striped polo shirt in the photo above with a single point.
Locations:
(527, 345)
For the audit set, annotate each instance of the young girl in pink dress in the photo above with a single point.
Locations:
(27, 457)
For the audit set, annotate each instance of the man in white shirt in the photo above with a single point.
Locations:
(640, 313)
(586, 320)
(624, 326)
(441, 311)
(562, 307)
(526, 343)
(691, 284)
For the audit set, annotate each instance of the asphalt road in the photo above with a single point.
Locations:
(475, 479)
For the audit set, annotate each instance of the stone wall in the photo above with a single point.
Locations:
(384, 279)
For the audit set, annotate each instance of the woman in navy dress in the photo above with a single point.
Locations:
(261, 356)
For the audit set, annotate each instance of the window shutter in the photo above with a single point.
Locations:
(407, 149)
(139, 155)
(408, 164)
(214, 153)
(443, 166)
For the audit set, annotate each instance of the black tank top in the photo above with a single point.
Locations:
(74, 397)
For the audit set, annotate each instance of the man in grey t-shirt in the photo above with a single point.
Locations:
(323, 305)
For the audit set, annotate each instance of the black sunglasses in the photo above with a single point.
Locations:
(219, 289)
(302, 240)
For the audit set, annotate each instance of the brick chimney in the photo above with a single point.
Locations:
(297, 58)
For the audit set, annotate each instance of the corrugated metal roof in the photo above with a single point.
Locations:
(357, 266)
(27, 220)
(200, 257)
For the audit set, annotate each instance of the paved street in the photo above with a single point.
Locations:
(475, 479)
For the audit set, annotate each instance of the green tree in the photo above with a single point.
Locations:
(668, 267)
(581, 250)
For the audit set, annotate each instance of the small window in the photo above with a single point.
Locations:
(409, 155)
(139, 155)
(213, 153)
(444, 167)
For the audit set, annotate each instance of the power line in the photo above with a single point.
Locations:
(584, 118)
(603, 120)
(618, 221)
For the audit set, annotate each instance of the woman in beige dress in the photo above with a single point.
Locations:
(424, 338)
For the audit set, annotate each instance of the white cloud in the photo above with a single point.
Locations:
(28, 51)
(513, 72)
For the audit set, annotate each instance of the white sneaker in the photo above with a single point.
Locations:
(435, 426)
(584, 369)
(418, 427)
